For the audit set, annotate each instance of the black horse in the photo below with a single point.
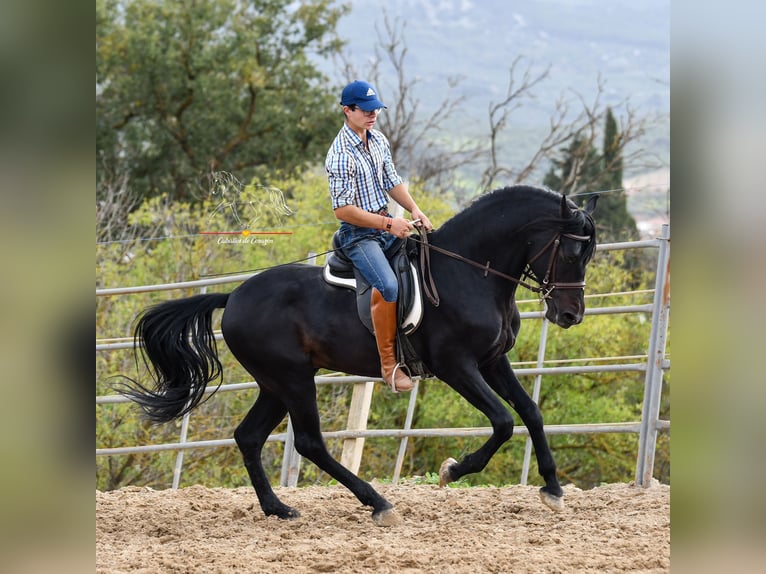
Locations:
(286, 323)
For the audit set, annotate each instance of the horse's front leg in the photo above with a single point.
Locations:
(503, 380)
(467, 381)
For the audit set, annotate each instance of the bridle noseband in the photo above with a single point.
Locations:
(548, 284)
(543, 288)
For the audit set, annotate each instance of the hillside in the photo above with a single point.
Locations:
(624, 43)
(627, 43)
(649, 200)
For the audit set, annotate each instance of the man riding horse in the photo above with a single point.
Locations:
(362, 176)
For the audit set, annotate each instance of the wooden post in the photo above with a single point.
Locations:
(291, 460)
(407, 426)
(357, 420)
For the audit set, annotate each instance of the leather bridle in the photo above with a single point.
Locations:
(544, 287)
(548, 284)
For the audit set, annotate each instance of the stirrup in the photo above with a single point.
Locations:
(392, 383)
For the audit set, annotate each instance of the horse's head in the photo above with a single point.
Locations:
(558, 255)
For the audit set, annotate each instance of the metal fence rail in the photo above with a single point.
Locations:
(653, 365)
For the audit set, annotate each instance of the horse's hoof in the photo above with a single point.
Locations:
(444, 475)
(285, 513)
(387, 517)
(292, 514)
(555, 503)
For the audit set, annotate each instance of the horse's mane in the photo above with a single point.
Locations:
(514, 194)
(528, 206)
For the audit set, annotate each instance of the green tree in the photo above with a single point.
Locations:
(186, 89)
(580, 169)
(615, 223)
(612, 153)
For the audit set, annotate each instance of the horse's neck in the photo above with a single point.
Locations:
(487, 238)
(500, 251)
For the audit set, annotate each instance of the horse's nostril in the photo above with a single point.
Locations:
(572, 318)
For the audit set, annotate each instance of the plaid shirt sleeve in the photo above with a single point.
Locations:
(390, 178)
(341, 171)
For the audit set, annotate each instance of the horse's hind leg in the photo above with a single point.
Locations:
(251, 435)
(310, 444)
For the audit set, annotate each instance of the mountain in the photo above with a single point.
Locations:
(623, 42)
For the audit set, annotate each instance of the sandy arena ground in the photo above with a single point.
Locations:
(613, 528)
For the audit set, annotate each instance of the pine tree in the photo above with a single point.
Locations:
(578, 167)
(581, 170)
(615, 222)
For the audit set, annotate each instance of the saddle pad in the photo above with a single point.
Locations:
(410, 298)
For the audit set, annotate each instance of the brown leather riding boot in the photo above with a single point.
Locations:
(384, 322)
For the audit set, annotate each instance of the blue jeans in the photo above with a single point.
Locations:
(368, 250)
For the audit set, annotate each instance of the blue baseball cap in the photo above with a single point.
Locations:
(361, 94)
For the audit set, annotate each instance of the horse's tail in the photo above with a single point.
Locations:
(179, 349)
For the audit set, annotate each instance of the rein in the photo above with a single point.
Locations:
(543, 289)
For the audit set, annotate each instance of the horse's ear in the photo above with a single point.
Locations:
(565, 211)
(590, 207)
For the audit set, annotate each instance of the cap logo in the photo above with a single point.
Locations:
(370, 92)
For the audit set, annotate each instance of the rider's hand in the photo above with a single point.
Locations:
(400, 227)
(424, 221)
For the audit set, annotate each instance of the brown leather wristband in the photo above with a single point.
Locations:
(389, 223)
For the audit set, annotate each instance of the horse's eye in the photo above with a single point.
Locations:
(571, 256)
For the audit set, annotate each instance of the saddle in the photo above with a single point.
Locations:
(340, 271)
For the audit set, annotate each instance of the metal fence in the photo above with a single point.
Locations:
(653, 364)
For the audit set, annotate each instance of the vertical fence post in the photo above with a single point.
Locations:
(407, 426)
(358, 413)
(180, 456)
(291, 460)
(178, 468)
(535, 397)
(397, 210)
(647, 441)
